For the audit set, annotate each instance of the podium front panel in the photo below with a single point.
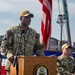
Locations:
(41, 65)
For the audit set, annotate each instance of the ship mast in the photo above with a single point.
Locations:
(65, 8)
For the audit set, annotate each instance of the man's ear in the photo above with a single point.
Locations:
(21, 18)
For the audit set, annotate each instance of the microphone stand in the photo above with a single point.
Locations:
(20, 36)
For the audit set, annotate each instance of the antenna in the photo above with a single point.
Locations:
(60, 21)
(58, 7)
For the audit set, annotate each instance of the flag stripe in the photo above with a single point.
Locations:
(41, 1)
(47, 4)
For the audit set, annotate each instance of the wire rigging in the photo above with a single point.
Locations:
(58, 7)
(63, 19)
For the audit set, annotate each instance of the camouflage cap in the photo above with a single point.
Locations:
(66, 46)
(26, 13)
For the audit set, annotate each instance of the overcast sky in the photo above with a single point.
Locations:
(10, 10)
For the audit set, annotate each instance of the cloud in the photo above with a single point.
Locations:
(14, 6)
(4, 6)
(6, 22)
(71, 8)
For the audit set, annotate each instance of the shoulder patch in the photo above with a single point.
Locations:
(71, 57)
(13, 28)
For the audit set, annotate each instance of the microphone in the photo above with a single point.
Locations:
(20, 33)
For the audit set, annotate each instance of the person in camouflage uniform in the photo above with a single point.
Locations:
(29, 40)
(65, 62)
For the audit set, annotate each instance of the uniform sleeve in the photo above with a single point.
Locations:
(74, 66)
(7, 43)
(38, 47)
(61, 68)
(73, 71)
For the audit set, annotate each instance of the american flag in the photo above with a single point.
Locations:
(46, 22)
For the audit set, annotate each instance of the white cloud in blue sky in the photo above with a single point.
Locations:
(10, 10)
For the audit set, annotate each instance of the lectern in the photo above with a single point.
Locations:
(34, 65)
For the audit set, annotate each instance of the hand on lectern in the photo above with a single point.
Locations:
(11, 59)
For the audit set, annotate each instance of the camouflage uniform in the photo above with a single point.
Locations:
(29, 43)
(65, 66)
